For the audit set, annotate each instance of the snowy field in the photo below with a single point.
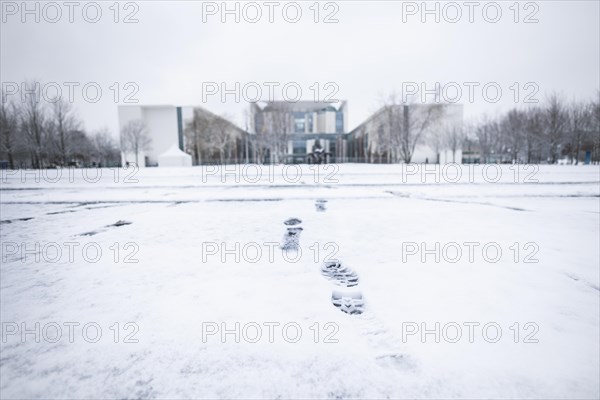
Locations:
(170, 283)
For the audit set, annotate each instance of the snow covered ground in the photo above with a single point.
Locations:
(169, 283)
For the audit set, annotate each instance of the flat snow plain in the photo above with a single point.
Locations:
(172, 310)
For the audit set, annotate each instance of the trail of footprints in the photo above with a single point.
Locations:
(349, 301)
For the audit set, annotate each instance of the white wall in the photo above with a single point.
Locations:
(161, 122)
(424, 153)
(162, 128)
(325, 122)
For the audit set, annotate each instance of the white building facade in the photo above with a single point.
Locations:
(165, 127)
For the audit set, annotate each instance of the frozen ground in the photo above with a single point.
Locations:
(548, 311)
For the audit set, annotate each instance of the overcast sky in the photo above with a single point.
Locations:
(368, 53)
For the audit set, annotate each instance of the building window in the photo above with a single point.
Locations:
(299, 147)
(299, 122)
(339, 122)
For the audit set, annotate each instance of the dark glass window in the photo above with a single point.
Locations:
(299, 122)
(339, 122)
(299, 146)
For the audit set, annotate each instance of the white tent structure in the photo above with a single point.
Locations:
(174, 157)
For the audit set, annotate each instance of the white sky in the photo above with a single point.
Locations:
(370, 52)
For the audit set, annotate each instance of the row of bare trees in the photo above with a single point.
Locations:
(40, 134)
(211, 138)
(546, 133)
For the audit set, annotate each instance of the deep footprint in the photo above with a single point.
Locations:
(339, 274)
(348, 302)
(291, 239)
(320, 205)
(293, 221)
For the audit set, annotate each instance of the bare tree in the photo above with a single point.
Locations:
(34, 124)
(487, 133)
(9, 125)
(416, 119)
(81, 147)
(135, 138)
(387, 137)
(532, 134)
(210, 137)
(279, 129)
(513, 127)
(595, 128)
(580, 120)
(436, 141)
(259, 138)
(196, 133)
(268, 137)
(453, 139)
(64, 123)
(407, 124)
(555, 118)
(248, 124)
(219, 136)
(105, 147)
(381, 145)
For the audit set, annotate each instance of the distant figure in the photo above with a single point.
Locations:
(126, 164)
(318, 155)
(426, 160)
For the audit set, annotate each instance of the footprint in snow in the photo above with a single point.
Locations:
(320, 205)
(291, 239)
(339, 274)
(350, 302)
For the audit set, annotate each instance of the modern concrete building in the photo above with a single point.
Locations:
(164, 125)
(305, 127)
(301, 132)
(434, 124)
